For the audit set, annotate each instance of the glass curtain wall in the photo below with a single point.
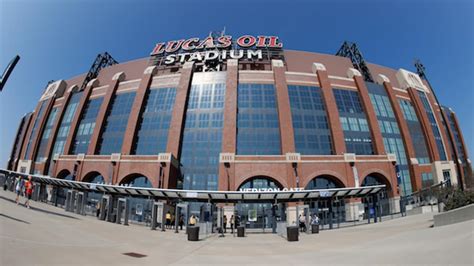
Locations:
(310, 123)
(202, 136)
(41, 155)
(154, 123)
(392, 139)
(35, 129)
(111, 137)
(86, 126)
(357, 133)
(416, 132)
(434, 125)
(258, 128)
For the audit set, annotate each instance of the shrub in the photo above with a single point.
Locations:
(459, 198)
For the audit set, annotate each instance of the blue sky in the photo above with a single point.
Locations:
(60, 39)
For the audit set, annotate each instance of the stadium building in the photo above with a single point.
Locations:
(229, 114)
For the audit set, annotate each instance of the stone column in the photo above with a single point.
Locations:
(226, 172)
(284, 110)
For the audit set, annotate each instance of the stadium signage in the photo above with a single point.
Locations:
(296, 189)
(220, 48)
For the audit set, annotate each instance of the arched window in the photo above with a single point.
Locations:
(324, 182)
(136, 181)
(260, 182)
(65, 174)
(94, 177)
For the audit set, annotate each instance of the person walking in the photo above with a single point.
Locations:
(224, 220)
(168, 219)
(97, 209)
(173, 221)
(181, 222)
(18, 189)
(192, 220)
(28, 192)
(232, 220)
(302, 221)
(5, 184)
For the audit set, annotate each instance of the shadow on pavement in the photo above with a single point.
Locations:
(13, 218)
(41, 210)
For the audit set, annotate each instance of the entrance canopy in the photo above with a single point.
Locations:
(285, 195)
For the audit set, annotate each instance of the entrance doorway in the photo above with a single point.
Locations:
(258, 215)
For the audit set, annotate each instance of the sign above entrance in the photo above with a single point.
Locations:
(213, 51)
(222, 42)
(296, 189)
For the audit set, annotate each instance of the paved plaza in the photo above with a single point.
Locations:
(46, 235)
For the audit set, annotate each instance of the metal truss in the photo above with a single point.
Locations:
(101, 61)
(351, 51)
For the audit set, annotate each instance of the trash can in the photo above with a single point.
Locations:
(240, 231)
(315, 228)
(292, 233)
(193, 233)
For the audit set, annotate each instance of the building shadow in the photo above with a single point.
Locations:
(41, 210)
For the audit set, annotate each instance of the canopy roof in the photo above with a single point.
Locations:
(286, 195)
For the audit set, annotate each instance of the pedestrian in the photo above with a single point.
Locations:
(168, 219)
(18, 189)
(173, 221)
(28, 192)
(232, 224)
(302, 223)
(181, 222)
(192, 220)
(5, 184)
(225, 223)
(97, 209)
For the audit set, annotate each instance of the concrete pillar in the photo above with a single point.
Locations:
(284, 110)
(229, 130)
(352, 209)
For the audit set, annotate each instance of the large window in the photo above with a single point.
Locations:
(86, 126)
(426, 180)
(41, 155)
(392, 138)
(202, 136)
(434, 125)
(354, 122)
(310, 124)
(35, 129)
(154, 123)
(111, 139)
(457, 136)
(416, 133)
(66, 123)
(258, 131)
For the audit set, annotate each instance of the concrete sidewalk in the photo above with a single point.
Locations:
(46, 235)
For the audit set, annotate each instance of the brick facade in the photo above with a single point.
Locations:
(296, 69)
